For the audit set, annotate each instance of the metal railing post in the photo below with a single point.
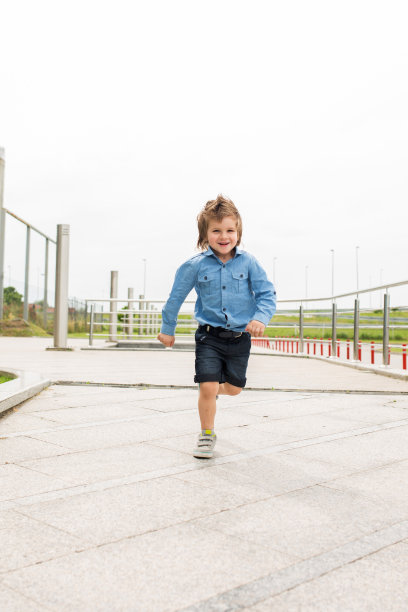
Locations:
(130, 313)
(334, 329)
(45, 299)
(2, 230)
(85, 315)
(141, 316)
(61, 287)
(113, 307)
(356, 328)
(26, 274)
(386, 328)
(91, 325)
(301, 347)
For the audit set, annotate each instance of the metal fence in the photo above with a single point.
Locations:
(60, 311)
(114, 318)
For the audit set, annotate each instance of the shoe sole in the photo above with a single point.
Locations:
(202, 455)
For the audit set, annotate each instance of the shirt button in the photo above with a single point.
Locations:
(241, 275)
(223, 265)
(224, 309)
(205, 278)
(228, 325)
(223, 286)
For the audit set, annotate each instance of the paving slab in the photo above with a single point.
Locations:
(103, 507)
(155, 571)
(12, 601)
(306, 522)
(28, 541)
(376, 583)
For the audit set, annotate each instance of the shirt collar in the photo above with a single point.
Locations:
(209, 251)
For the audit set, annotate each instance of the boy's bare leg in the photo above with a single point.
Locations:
(207, 400)
(207, 404)
(228, 389)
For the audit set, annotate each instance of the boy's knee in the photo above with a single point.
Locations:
(209, 389)
(232, 390)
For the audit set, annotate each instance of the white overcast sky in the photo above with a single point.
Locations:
(123, 118)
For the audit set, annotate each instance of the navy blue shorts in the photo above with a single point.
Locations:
(222, 359)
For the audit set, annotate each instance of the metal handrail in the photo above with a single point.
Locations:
(291, 300)
(152, 324)
(29, 225)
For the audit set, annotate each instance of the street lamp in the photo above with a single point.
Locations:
(332, 252)
(357, 247)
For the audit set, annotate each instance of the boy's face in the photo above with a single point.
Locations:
(222, 237)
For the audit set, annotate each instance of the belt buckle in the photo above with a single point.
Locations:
(225, 334)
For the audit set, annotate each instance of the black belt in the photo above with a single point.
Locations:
(219, 332)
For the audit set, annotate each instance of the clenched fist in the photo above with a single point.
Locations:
(255, 328)
(166, 340)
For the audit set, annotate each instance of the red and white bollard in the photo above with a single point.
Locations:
(307, 345)
(348, 349)
(372, 353)
(404, 356)
(329, 347)
(321, 347)
(359, 350)
(338, 347)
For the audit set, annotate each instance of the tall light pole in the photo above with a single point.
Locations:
(274, 270)
(357, 247)
(144, 278)
(332, 253)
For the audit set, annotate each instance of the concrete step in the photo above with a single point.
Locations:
(153, 345)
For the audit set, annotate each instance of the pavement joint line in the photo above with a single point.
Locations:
(141, 418)
(275, 583)
(76, 383)
(157, 414)
(186, 467)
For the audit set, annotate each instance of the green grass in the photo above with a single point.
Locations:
(4, 379)
(20, 328)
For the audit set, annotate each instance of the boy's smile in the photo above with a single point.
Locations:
(222, 237)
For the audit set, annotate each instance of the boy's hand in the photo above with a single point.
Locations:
(166, 340)
(255, 328)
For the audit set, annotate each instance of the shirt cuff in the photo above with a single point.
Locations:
(166, 329)
(261, 317)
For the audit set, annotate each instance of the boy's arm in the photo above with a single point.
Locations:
(183, 283)
(265, 297)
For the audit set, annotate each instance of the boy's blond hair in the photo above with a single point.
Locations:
(216, 209)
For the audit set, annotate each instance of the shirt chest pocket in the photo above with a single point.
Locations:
(240, 282)
(207, 284)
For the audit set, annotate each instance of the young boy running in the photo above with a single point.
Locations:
(235, 300)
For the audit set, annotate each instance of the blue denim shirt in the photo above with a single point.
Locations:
(228, 294)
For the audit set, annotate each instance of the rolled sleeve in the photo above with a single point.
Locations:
(264, 291)
(183, 283)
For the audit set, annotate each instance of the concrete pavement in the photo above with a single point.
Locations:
(103, 507)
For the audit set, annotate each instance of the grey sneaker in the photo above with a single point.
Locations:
(205, 446)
